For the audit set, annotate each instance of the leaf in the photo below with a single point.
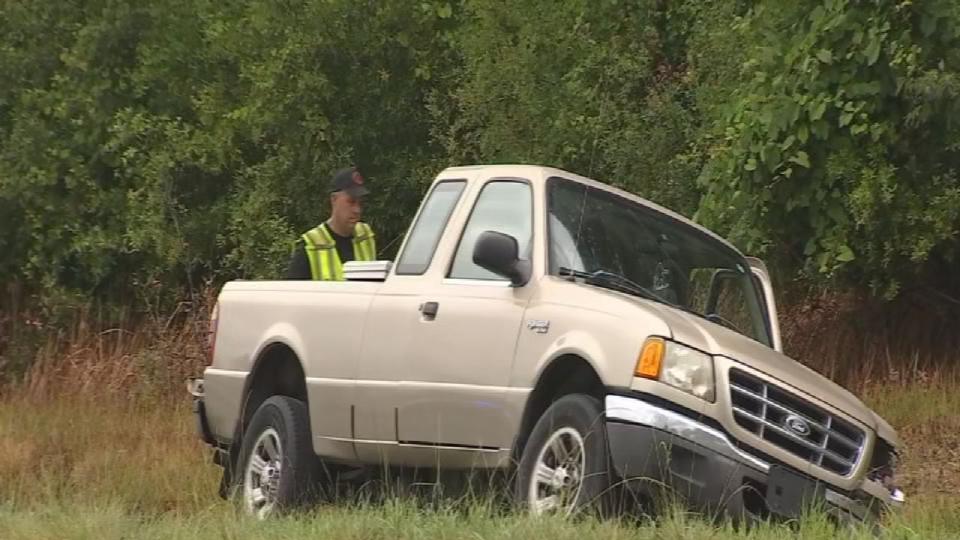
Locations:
(928, 25)
(821, 129)
(803, 133)
(445, 11)
(837, 213)
(770, 155)
(817, 14)
(821, 261)
(873, 51)
(816, 112)
(801, 159)
(846, 254)
(825, 56)
(751, 164)
(877, 131)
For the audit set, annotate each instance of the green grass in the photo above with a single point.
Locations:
(927, 418)
(402, 520)
(79, 468)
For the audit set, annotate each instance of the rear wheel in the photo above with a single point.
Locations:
(565, 464)
(277, 465)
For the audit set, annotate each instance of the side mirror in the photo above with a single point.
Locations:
(499, 253)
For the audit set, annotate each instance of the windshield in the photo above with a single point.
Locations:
(594, 231)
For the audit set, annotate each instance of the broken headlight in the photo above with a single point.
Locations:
(883, 468)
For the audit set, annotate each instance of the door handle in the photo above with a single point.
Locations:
(429, 310)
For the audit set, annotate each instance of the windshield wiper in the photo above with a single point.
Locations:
(613, 280)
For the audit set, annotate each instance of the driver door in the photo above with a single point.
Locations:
(456, 373)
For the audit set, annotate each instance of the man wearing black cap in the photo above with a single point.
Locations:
(321, 252)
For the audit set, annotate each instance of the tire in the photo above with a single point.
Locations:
(582, 481)
(277, 468)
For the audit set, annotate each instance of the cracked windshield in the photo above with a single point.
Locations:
(617, 243)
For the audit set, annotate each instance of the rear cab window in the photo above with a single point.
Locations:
(426, 232)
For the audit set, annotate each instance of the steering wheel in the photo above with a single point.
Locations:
(676, 284)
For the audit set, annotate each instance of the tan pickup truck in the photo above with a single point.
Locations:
(537, 321)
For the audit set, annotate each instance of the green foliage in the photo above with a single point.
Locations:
(177, 140)
(841, 148)
(594, 87)
(173, 142)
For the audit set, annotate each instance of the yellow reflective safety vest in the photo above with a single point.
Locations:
(322, 253)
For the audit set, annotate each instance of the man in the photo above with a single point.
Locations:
(321, 252)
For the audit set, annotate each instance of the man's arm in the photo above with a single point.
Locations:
(299, 265)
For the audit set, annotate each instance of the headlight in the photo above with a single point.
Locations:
(883, 468)
(677, 365)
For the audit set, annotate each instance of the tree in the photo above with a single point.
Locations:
(599, 88)
(841, 148)
(174, 140)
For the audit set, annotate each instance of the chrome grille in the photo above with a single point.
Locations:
(794, 424)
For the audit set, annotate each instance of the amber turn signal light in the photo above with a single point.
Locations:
(651, 357)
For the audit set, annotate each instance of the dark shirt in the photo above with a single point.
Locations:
(299, 266)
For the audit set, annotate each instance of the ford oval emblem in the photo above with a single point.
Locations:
(797, 425)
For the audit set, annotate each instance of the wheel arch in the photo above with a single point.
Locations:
(277, 370)
(566, 374)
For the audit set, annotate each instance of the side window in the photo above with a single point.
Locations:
(426, 232)
(503, 206)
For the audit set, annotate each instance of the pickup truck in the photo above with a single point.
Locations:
(542, 323)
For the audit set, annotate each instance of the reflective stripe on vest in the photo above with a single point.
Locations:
(364, 243)
(322, 251)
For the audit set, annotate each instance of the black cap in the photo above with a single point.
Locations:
(349, 180)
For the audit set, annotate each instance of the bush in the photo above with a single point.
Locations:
(841, 149)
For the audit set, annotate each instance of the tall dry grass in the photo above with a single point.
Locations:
(860, 342)
(147, 355)
(846, 337)
(102, 414)
(119, 468)
(101, 418)
(81, 451)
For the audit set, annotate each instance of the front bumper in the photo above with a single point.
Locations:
(659, 452)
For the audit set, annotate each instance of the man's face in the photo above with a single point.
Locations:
(346, 208)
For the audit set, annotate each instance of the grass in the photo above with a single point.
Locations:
(390, 521)
(927, 419)
(76, 467)
(97, 441)
(78, 451)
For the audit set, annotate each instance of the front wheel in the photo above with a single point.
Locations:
(565, 465)
(277, 462)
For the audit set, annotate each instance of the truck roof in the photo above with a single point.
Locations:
(540, 173)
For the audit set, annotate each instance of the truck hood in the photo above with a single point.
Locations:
(718, 340)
